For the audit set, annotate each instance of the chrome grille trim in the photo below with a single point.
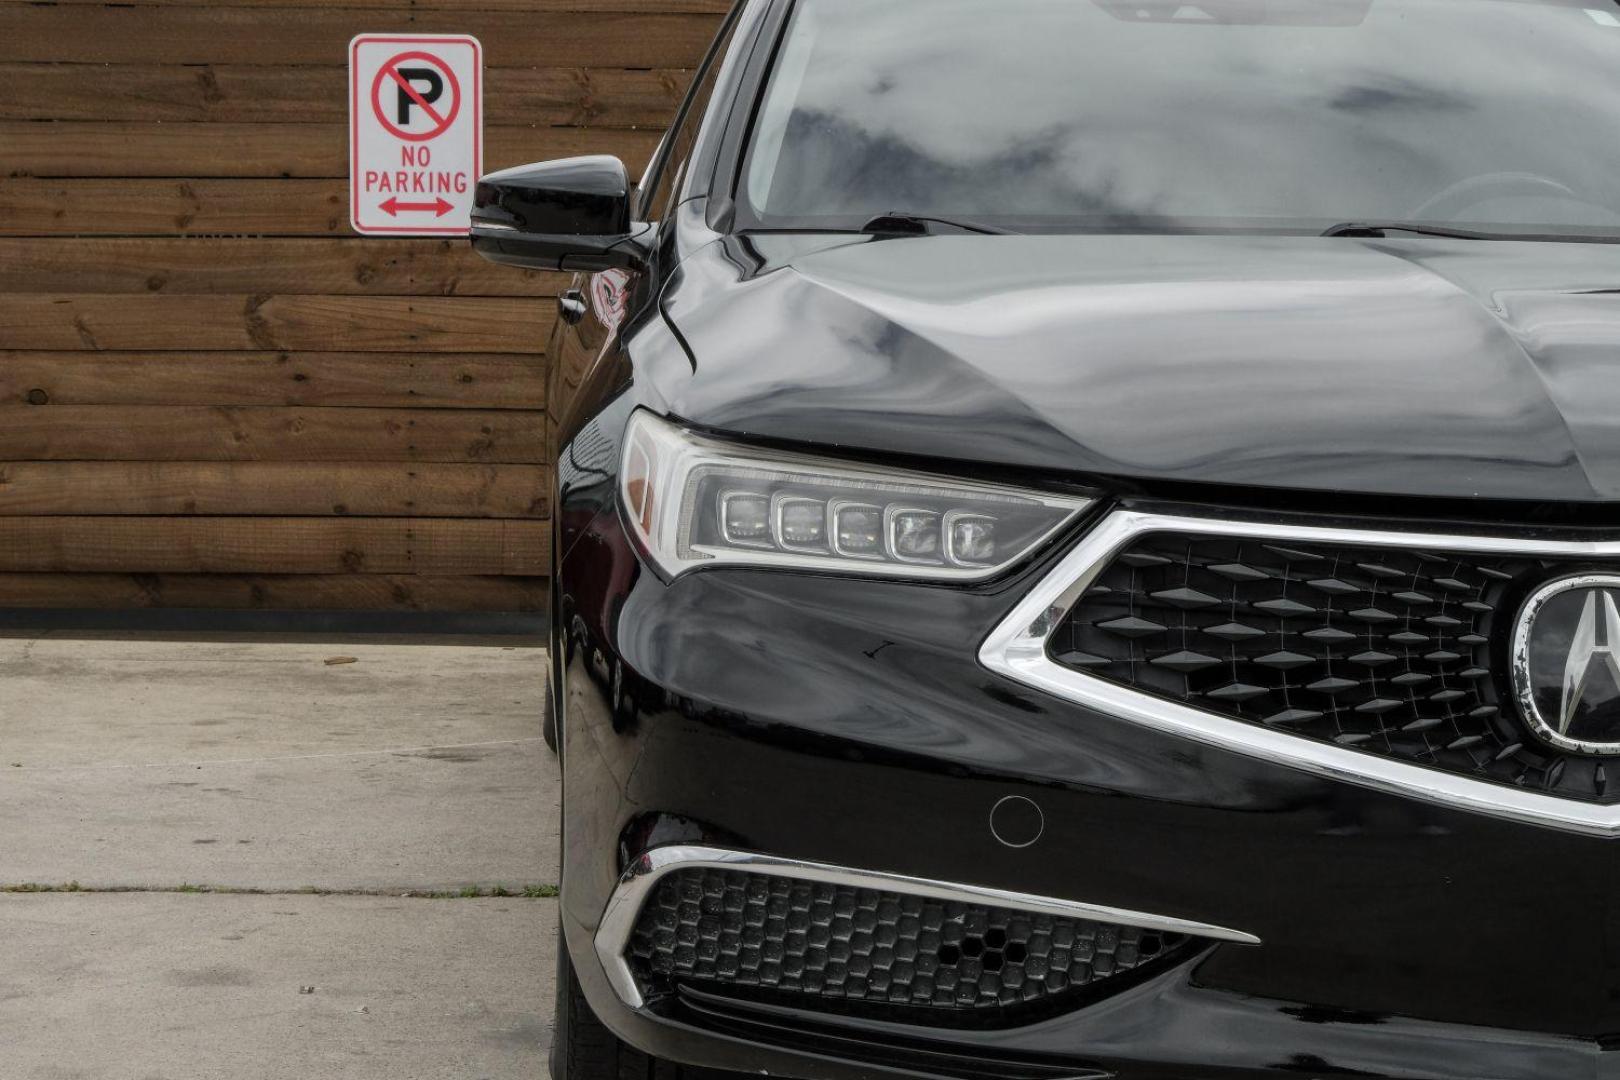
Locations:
(1017, 649)
(637, 883)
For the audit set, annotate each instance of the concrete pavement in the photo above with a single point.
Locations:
(138, 987)
(156, 766)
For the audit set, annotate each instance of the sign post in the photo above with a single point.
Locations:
(415, 133)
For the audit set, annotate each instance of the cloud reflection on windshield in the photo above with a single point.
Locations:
(1030, 109)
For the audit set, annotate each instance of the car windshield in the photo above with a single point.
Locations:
(1149, 116)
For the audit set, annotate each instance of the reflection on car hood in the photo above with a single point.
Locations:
(1401, 367)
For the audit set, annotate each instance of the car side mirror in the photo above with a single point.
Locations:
(572, 214)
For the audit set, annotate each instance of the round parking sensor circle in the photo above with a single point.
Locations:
(1017, 822)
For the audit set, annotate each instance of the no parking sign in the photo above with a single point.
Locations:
(415, 133)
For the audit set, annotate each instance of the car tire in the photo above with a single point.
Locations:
(582, 1047)
(548, 717)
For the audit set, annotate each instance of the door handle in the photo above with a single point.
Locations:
(571, 306)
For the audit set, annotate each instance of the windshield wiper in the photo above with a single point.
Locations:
(897, 223)
(1380, 229)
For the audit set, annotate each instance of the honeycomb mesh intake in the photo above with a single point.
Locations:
(1386, 651)
(837, 943)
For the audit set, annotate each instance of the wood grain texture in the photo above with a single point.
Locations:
(225, 545)
(193, 433)
(319, 35)
(212, 394)
(239, 94)
(199, 151)
(282, 489)
(255, 265)
(78, 321)
(347, 380)
(270, 592)
(123, 207)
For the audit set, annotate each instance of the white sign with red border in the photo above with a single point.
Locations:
(416, 133)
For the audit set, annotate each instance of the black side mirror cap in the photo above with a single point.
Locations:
(572, 214)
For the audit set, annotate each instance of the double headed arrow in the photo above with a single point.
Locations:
(393, 206)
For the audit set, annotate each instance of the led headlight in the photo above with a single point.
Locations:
(695, 501)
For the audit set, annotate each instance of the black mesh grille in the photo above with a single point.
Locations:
(1387, 651)
(851, 946)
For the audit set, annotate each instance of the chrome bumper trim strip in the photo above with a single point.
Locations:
(1017, 650)
(624, 907)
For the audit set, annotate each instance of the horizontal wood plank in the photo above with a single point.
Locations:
(232, 93)
(230, 212)
(175, 545)
(268, 592)
(73, 148)
(280, 489)
(281, 36)
(193, 433)
(134, 207)
(252, 265)
(377, 380)
(78, 321)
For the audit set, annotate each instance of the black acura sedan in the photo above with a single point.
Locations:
(1088, 545)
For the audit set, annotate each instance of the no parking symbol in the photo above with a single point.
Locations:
(415, 133)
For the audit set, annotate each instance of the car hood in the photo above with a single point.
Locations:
(1399, 367)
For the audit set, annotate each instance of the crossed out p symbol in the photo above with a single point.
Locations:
(425, 96)
(410, 91)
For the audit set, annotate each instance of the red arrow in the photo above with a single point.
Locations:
(393, 206)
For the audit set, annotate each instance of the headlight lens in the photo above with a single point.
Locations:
(695, 502)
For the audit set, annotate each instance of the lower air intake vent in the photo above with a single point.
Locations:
(844, 945)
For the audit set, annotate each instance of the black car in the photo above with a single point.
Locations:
(1088, 545)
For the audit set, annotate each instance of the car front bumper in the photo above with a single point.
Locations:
(848, 724)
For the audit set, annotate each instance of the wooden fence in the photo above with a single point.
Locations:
(212, 393)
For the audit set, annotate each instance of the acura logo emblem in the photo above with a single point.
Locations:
(1566, 661)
